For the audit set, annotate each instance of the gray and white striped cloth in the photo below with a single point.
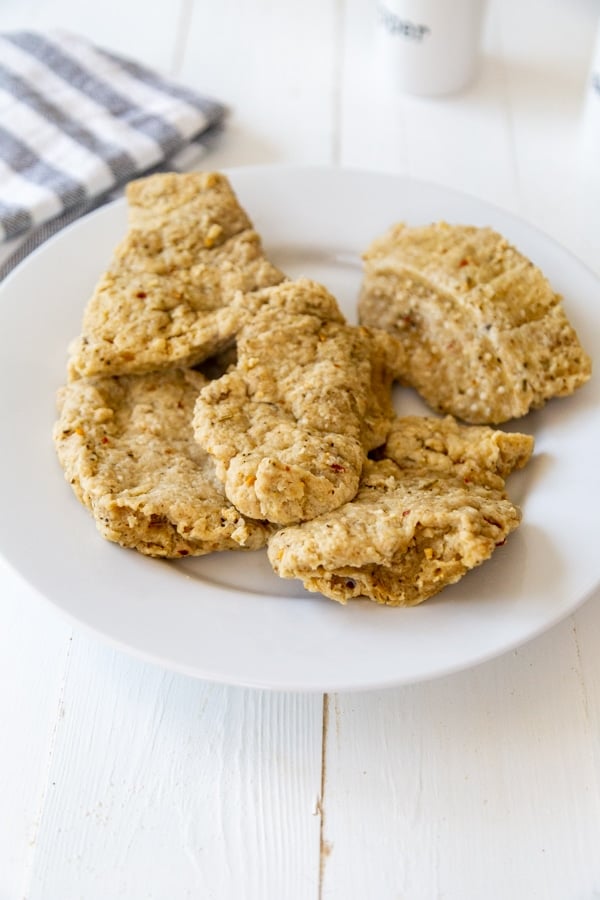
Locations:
(76, 123)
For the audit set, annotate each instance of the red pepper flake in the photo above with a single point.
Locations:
(406, 512)
(463, 262)
(337, 468)
(491, 521)
(105, 440)
(141, 294)
(183, 552)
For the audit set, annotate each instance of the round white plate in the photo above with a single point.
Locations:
(227, 617)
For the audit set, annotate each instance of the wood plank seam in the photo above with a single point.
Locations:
(338, 75)
(37, 821)
(584, 692)
(324, 845)
(510, 124)
(182, 33)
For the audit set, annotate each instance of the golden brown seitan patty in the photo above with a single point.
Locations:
(127, 448)
(290, 424)
(485, 337)
(477, 453)
(164, 300)
(432, 508)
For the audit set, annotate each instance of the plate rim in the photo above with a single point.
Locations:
(289, 170)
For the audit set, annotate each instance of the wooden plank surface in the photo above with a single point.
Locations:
(275, 66)
(35, 644)
(468, 788)
(125, 27)
(176, 787)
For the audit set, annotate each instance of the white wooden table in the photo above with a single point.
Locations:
(118, 779)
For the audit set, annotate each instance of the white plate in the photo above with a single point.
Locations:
(227, 617)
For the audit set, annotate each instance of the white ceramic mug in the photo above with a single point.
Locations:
(429, 46)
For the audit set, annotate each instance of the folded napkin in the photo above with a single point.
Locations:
(76, 123)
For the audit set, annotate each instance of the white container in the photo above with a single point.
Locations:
(429, 46)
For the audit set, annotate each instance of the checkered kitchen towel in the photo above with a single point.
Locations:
(76, 123)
